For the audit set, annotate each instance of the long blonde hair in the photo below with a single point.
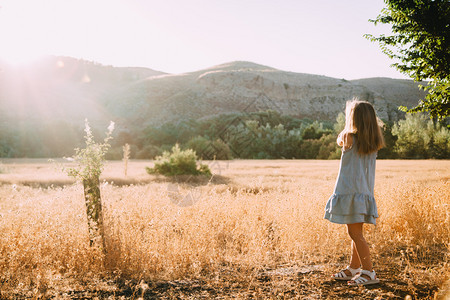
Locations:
(361, 121)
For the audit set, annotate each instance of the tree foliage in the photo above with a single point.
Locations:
(207, 149)
(420, 41)
(417, 137)
(259, 135)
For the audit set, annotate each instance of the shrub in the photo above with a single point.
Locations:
(90, 160)
(148, 152)
(89, 166)
(207, 149)
(178, 162)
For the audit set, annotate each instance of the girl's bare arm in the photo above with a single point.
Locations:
(345, 140)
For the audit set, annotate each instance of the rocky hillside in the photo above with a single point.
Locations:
(70, 89)
(244, 86)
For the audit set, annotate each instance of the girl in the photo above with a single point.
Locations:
(353, 201)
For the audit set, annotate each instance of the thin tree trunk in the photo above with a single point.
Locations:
(94, 212)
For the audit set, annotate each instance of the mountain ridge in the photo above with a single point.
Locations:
(72, 89)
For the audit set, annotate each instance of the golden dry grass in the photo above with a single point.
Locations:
(255, 230)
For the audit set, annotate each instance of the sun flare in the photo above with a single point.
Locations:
(20, 58)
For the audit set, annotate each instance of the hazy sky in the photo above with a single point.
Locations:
(322, 37)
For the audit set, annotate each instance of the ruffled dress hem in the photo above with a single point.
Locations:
(351, 208)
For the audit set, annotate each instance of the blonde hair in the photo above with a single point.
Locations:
(361, 121)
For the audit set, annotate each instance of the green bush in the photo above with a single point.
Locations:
(148, 152)
(207, 149)
(418, 137)
(91, 159)
(178, 162)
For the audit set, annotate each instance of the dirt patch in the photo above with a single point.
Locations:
(286, 282)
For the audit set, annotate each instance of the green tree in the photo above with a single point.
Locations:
(314, 131)
(440, 142)
(293, 143)
(417, 137)
(329, 149)
(340, 123)
(420, 41)
(243, 139)
(273, 140)
(207, 149)
(309, 149)
(7, 142)
(59, 137)
(389, 139)
(148, 152)
(412, 136)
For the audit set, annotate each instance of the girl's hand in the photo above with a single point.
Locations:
(345, 140)
(348, 141)
(339, 140)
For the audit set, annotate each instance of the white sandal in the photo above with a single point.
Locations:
(343, 276)
(360, 280)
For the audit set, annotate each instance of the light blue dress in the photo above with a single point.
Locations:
(353, 200)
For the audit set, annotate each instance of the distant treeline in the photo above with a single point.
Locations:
(262, 135)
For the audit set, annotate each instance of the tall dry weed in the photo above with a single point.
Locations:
(252, 223)
(414, 229)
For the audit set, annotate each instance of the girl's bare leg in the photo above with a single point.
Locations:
(355, 262)
(360, 245)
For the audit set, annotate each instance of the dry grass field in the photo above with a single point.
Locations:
(255, 230)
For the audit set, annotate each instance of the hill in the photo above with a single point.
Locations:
(244, 86)
(64, 88)
(61, 88)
